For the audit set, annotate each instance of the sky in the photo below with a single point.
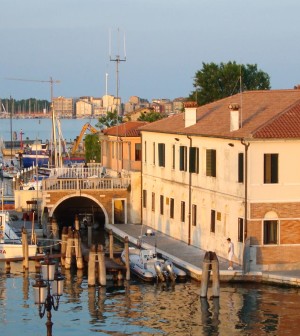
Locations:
(166, 42)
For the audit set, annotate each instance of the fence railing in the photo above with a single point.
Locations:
(86, 183)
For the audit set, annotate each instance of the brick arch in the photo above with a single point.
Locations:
(61, 200)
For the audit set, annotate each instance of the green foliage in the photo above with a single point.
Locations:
(92, 148)
(151, 116)
(217, 81)
(109, 120)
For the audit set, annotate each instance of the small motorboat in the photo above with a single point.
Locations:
(10, 243)
(145, 264)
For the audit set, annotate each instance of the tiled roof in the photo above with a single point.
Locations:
(263, 114)
(128, 129)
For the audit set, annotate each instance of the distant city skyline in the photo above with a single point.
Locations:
(166, 43)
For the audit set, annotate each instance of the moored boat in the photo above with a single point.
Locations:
(36, 155)
(145, 264)
(10, 243)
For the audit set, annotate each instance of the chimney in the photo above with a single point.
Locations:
(234, 116)
(190, 113)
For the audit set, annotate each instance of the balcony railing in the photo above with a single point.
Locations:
(86, 183)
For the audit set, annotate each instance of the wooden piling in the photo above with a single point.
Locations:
(89, 230)
(25, 249)
(215, 275)
(205, 275)
(76, 223)
(78, 250)
(69, 250)
(64, 238)
(101, 266)
(111, 244)
(126, 248)
(7, 267)
(91, 266)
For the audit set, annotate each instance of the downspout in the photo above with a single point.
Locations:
(143, 154)
(246, 145)
(190, 194)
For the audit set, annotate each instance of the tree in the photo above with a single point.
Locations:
(109, 120)
(92, 148)
(215, 81)
(151, 116)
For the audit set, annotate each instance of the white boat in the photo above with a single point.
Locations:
(145, 264)
(36, 155)
(10, 243)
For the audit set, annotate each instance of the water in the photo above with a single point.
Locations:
(41, 128)
(147, 309)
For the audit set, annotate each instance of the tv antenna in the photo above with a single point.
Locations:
(117, 59)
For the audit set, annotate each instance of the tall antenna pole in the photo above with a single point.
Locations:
(117, 60)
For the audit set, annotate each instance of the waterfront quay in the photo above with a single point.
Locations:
(191, 258)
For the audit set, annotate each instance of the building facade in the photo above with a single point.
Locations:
(228, 169)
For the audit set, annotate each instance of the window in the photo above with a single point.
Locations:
(270, 232)
(183, 158)
(211, 158)
(138, 152)
(182, 212)
(213, 221)
(194, 214)
(161, 154)
(161, 204)
(145, 151)
(153, 153)
(270, 168)
(241, 168)
(240, 230)
(194, 160)
(153, 202)
(144, 198)
(173, 156)
(171, 207)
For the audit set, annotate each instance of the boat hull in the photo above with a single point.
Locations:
(8, 251)
(35, 160)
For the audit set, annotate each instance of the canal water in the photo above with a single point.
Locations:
(137, 308)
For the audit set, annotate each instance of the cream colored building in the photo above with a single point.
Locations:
(228, 170)
(84, 108)
(63, 107)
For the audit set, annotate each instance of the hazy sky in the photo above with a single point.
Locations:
(166, 43)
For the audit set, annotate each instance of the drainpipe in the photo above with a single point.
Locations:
(190, 195)
(246, 145)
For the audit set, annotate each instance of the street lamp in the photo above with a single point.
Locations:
(42, 290)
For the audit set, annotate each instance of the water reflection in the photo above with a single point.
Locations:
(149, 309)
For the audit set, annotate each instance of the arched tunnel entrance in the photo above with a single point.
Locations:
(88, 212)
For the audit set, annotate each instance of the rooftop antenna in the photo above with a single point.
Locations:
(241, 92)
(117, 59)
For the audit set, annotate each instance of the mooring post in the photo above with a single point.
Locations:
(126, 248)
(7, 267)
(89, 230)
(76, 223)
(69, 249)
(101, 265)
(25, 248)
(78, 250)
(111, 244)
(205, 274)
(91, 266)
(64, 238)
(215, 275)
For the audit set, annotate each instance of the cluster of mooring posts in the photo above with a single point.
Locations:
(98, 261)
(210, 263)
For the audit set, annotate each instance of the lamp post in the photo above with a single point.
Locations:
(42, 291)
